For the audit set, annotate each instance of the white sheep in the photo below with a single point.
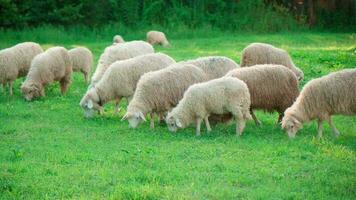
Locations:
(333, 94)
(160, 91)
(15, 62)
(218, 96)
(120, 80)
(120, 51)
(214, 66)
(82, 60)
(52, 65)
(157, 37)
(272, 87)
(118, 39)
(261, 53)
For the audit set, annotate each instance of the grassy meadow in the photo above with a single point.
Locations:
(48, 150)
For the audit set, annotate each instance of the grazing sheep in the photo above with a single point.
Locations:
(118, 39)
(272, 87)
(117, 52)
(120, 80)
(260, 53)
(321, 98)
(52, 65)
(82, 60)
(157, 37)
(159, 91)
(218, 96)
(214, 66)
(15, 62)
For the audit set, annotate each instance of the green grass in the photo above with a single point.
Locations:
(49, 151)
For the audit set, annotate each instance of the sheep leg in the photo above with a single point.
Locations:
(10, 87)
(332, 126)
(86, 77)
(258, 122)
(198, 123)
(117, 106)
(152, 122)
(65, 82)
(161, 117)
(280, 117)
(207, 124)
(320, 128)
(240, 126)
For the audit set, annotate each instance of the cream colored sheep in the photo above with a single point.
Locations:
(118, 39)
(157, 37)
(214, 66)
(218, 96)
(15, 62)
(333, 94)
(117, 52)
(159, 91)
(82, 60)
(52, 65)
(260, 53)
(272, 87)
(120, 80)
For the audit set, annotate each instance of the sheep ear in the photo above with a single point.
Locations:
(142, 116)
(90, 104)
(178, 123)
(124, 117)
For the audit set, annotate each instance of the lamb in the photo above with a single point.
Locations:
(118, 39)
(15, 62)
(157, 37)
(218, 96)
(320, 99)
(120, 51)
(52, 65)
(214, 66)
(82, 60)
(272, 87)
(260, 53)
(160, 91)
(120, 80)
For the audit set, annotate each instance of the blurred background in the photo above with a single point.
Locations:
(227, 15)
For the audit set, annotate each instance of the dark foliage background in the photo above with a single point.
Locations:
(245, 15)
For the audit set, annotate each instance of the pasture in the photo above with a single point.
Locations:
(48, 150)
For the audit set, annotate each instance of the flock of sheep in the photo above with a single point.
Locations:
(212, 88)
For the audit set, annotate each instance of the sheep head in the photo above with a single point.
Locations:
(90, 103)
(134, 118)
(291, 125)
(32, 90)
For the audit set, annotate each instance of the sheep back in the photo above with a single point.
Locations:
(214, 66)
(16, 61)
(120, 51)
(260, 53)
(82, 59)
(272, 87)
(329, 95)
(161, 90)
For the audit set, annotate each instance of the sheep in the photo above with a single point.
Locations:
(118, 39)
(52, 65)
(82, 60)
(120, 80)
(157, 37)
(159, 91)
(15, 62)
(218, 96)
(320, 99)
(272, 87)
(261, 53)
(214, 66)
(120, 51)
